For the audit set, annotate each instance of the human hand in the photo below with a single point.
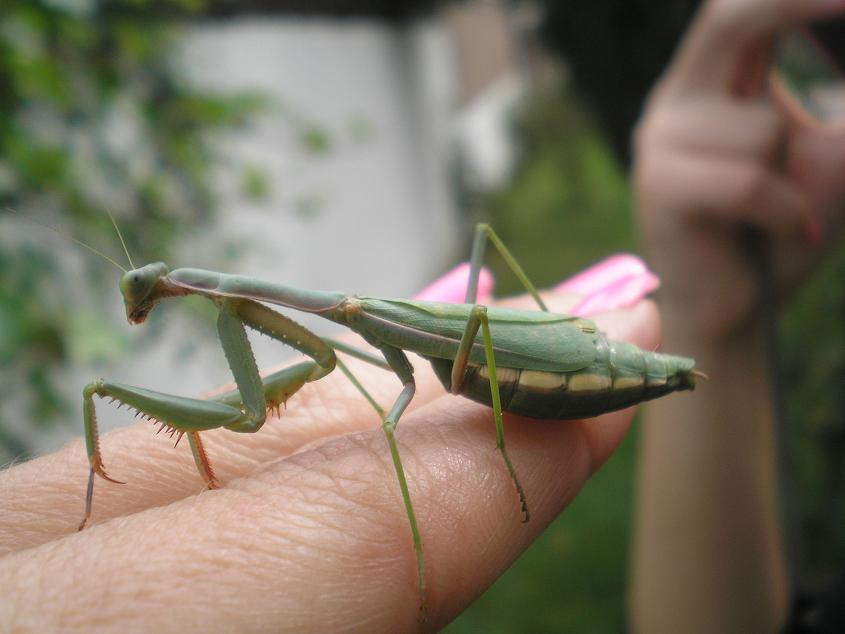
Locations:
(714, 157)
(309, 532)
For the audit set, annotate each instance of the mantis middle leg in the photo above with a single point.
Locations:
(404, 371)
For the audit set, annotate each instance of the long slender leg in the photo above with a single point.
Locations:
(403, 369)
(359, 386)
(482, 232)
(478, 318)
(497, 413)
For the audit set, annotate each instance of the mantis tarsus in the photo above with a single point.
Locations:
(538, 364)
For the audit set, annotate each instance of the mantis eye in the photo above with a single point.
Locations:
(138, 283)
(134, 284)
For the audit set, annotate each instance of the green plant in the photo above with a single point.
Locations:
(94, 115)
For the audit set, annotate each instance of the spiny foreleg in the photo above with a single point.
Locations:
(176, 414)
(179, 415)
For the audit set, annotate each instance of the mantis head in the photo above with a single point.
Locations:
(141, 289)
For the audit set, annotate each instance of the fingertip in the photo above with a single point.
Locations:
(639, 324)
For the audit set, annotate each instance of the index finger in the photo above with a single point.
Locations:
(726, 32)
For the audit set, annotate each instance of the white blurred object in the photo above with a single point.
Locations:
(484, 132)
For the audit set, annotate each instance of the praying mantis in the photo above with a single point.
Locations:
(535, 363)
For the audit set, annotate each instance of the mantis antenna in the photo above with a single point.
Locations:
(71, 238)
(120, 235)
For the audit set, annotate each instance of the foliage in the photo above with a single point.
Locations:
(94, 116)
(813, 336)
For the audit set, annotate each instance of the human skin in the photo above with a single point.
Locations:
(308, 532)
(713, 156)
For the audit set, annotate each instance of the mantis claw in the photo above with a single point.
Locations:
(102, 473)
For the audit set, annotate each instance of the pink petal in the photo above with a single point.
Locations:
(621, 293)
(602, 274)
(452, 286)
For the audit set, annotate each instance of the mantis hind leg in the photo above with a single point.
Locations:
(483, 231)
(478, 318)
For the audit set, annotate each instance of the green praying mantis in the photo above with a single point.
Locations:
(534, 363)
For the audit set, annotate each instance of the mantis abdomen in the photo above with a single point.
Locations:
(620, 375)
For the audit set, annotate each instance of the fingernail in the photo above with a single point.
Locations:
(452, 286)
(602, 274)
(621, 293)
(813, 232)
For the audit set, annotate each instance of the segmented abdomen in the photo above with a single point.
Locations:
(620, 375)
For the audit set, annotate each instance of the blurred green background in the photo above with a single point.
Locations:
(567, 206)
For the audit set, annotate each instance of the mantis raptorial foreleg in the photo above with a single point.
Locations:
(237, 313)
(181, 415)
(201, 460)
(242, 410)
